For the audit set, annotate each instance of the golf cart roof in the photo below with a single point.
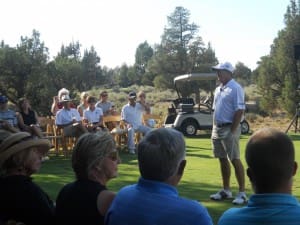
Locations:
(195, 76)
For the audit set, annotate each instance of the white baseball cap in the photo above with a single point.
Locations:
(224, 66)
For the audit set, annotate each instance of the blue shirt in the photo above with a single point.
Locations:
(10, 116)
(150, 202)
(228, 99)
(283, 209)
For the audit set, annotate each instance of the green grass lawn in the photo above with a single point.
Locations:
(201, 178)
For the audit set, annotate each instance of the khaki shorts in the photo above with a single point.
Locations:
(71, 131)
(226, 144)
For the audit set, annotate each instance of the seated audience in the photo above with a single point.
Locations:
(69, 119)
(270, 156)
(93, 116)
(28, 119)
(132, 114)
(154, 199)
(84, 104)
(8, 117)
(21, 199)
(142, 100)
(56, 104)
(106, 106)
(86, 200)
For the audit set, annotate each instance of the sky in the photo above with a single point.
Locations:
(238, 30)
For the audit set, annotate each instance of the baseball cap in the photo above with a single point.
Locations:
(224, 66)
(3, 99)
(132, 94)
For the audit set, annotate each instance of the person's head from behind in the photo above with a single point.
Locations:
(95, 157)
(161, 156)
(270, 156)
(21, 154)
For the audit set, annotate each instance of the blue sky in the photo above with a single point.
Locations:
(239, 30)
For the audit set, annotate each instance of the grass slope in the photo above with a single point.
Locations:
(201, 178)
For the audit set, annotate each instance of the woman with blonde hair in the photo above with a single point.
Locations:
(83, 103)
(21, 199)
(85, 201)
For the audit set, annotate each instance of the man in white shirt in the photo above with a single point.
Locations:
(228, 106)
(132, 114)
(69, 119)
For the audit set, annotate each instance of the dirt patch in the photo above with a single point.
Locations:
(279, 122)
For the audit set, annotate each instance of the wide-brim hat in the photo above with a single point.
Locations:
(20, 141)
(65, 98)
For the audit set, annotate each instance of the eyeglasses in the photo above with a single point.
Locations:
(104, 95)
(114, 155)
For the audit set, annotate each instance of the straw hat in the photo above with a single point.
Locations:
(20, 141)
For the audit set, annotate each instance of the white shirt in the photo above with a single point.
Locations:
(133, 114)
(93, 116)
(64, 116)
(227, 100)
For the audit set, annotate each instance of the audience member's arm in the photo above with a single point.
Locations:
(104, 201)
(6, 126)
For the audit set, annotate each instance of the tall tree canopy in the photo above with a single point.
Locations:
(277, 75)
(180, 50)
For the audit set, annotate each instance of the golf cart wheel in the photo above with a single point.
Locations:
(245, 127)
(189, 128)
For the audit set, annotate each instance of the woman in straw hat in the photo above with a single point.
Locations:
(20, 198)
(85, 201)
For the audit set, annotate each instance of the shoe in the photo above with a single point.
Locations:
(220, 195)
(240, 199)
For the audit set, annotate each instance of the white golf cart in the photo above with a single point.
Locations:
(187, 116)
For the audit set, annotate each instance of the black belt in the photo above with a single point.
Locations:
(223, 124)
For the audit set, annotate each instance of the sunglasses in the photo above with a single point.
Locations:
(114, 156)
(104, 95)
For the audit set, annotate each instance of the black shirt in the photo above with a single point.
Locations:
(24, 201)
(77, 204)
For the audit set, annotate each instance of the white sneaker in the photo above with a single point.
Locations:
(222, 194)
(240, 199)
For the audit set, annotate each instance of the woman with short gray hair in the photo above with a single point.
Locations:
(85, 201)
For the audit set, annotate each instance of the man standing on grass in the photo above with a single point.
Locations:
(228, 106)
